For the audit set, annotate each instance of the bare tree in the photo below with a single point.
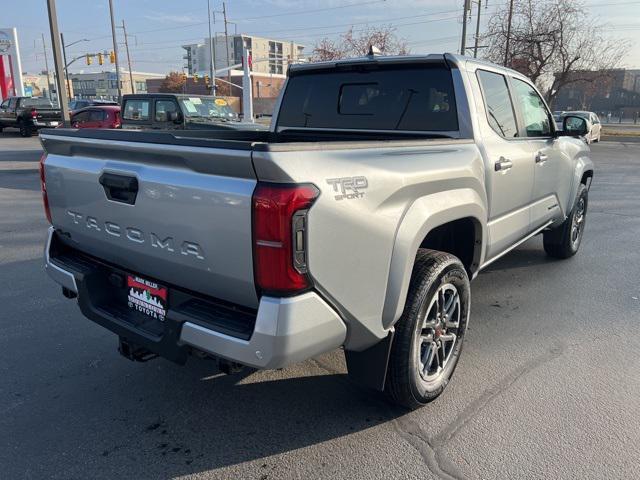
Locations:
(553, 42)
(355, 43)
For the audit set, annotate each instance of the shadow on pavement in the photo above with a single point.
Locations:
(20, 179)
(521, 257)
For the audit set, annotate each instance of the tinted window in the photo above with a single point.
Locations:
(5, 104)
(81, 117)
(96, 115)
(498, 103)
(414, 98)
(36, 102)
(163, 107)
(534, 111)
(136, 110)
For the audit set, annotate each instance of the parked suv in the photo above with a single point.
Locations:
(383, 187)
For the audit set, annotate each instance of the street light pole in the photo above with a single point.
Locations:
(66, 70)
(115, 50)
(46, 65)
(57, 60)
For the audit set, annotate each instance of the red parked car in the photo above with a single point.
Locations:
(97, 116)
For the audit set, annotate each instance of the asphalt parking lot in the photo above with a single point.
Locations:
(548, 385)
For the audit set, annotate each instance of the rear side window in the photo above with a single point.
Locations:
(81, 117)
(497, 101)
(96, 115)
(136, 110)
(410, 98)
(163, 108)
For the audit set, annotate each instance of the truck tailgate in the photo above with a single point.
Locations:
(178, 214)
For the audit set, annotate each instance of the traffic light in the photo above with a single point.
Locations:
(112, 57)
(206, 81)
(184, 77)
(100, 59)
(195, 78)
(89, 59)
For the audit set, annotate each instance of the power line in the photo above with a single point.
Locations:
(305, 12)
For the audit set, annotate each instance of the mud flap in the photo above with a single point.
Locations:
(368, 368)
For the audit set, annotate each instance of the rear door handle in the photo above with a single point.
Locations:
(503, 164)
(541, 157)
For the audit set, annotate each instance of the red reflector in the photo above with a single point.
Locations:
(274, 206)
(43, 187)
(34, 113)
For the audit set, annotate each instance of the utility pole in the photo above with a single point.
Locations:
(66, 70)
(46, 65)
(126, 45)
(115, 50)
(63, 101)
(463, 43)
(212, 54)
(226, 39)
(506, 43)
(475, 46)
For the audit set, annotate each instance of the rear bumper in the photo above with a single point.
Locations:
(281, 332)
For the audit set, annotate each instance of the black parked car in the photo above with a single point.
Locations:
(29, 114)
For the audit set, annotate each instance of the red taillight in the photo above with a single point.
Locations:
(279, 236)
(43, 187)
(34, 113)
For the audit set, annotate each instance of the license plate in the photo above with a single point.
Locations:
(53, 124)
(146, 297)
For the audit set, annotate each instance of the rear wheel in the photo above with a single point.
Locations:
(429, 335)
(25, 130)
(564, 240)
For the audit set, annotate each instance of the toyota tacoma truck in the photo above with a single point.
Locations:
(29, 114)
(384, 185)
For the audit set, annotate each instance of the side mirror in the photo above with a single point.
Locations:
(174, 117)
(574, 126)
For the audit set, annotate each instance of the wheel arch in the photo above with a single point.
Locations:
(429, 223)
(582, 174)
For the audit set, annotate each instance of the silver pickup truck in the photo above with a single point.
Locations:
(383, 186)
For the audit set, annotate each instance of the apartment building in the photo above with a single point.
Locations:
(269, 56)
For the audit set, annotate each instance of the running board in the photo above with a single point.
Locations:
(517, 244)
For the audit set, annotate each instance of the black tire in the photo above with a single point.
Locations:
(408, 382)
(564, 240)
(25, 130)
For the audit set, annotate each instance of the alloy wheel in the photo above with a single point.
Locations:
(439, 333)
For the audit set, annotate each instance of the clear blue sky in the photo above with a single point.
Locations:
(159, 27)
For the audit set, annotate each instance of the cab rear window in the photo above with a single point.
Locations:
(400, 98)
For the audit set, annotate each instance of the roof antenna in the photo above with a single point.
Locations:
(373, 51)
